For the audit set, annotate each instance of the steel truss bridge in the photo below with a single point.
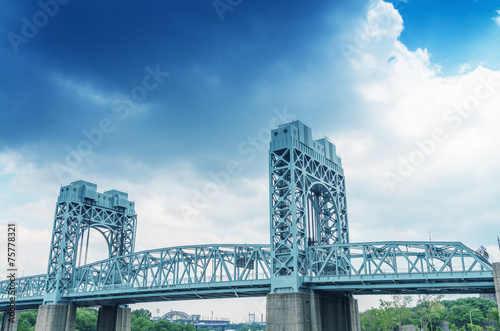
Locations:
(309, 248)
(229, 271)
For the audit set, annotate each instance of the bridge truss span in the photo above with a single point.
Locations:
(178, 273)
(399, 267)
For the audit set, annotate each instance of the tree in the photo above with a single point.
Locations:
(401, 304)
(86, 319)
(142, 324)
(428, 308)
(387, 314)
(370, 320)
(146, 314)
(492, 314)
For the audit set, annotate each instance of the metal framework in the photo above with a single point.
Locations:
(80, 208)
(307, 201)
(222, 271)
(171, 314)
(309, 249)
(395, 267)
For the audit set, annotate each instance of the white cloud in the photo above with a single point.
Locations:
(410, 103)
(497, 18)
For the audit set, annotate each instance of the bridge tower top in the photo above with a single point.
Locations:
(307, 202)
(82, 191)
(302, 134)
(79, 209)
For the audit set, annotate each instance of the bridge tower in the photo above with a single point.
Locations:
(307, 208)
(79, 209)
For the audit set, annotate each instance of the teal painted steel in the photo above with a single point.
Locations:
(307, 202)
(81, 208)
(229, 271)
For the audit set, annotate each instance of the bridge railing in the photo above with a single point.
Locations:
(397, 258)
(171, 267)
(24, 288)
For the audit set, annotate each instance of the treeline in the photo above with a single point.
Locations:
(429, 311)
(86, 320)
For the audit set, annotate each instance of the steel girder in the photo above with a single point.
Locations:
(396, 267)
(307, 201)
(223, 271)
(79, 209)
(170, 267)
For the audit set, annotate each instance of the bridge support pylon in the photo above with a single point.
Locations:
(9, 324)
(496, 280)
(298, 311)
(114, 318)
(56, 318)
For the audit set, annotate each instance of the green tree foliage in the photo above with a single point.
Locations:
(142, 324)
(370, 320)
(460, 311)
(86, 319)
(401, 304)
(428, 308)
(388, 315)
(144, 313)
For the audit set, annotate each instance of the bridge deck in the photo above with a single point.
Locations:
(230, 271)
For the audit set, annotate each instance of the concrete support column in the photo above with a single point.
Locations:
(56, 318)
(340, 314)
(496, 279)
(311, 312)
(114, 318)
(295, 311)
(9, 322)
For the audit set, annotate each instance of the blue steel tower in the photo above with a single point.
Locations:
(307, 202)
(79, 209)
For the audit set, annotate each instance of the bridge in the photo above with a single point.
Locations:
(214, 324)
(309, 272)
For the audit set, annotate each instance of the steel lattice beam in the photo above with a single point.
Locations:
(224, 271)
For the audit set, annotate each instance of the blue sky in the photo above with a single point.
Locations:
(157, 98)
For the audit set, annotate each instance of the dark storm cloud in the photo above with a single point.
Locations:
(214, 66)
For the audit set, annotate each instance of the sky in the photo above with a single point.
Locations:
(157, 98)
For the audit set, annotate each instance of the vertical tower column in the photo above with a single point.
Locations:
(307, 203)
(114, 318)
(496, 279)
(307, 208)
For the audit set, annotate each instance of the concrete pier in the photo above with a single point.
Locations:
(56, 318)
(340, 313)
(7, 323)
(298, 311)
(496, 279)
(114, 318)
